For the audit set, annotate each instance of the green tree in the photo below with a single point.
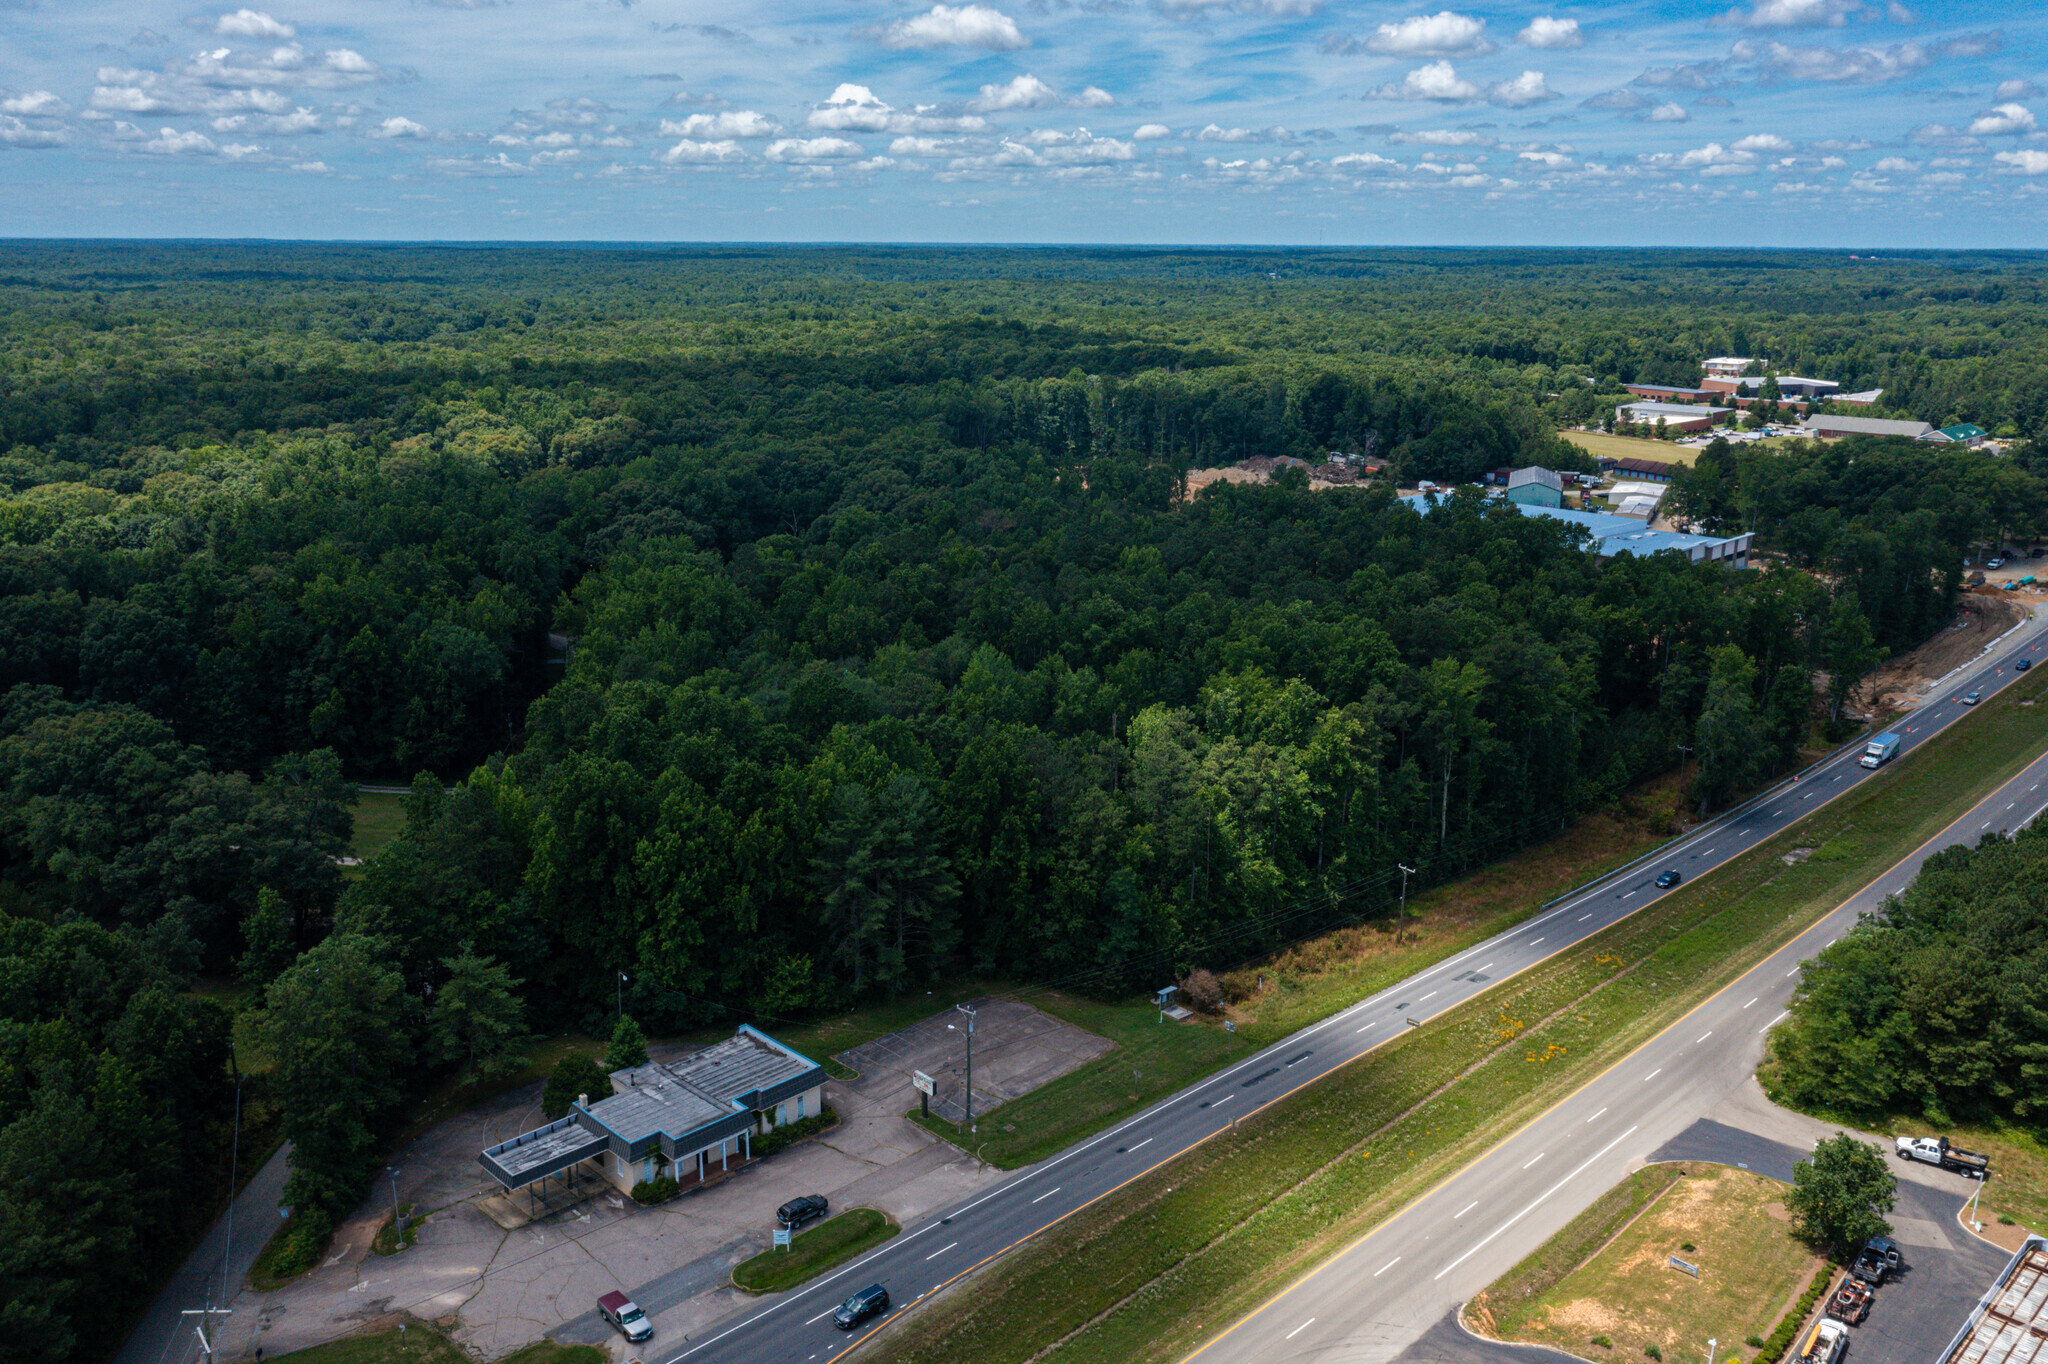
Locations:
(574, 1074)
(269, 938)
(477, 1017)
(1849, 651)
(341, 1029)
(1729, 733)
(628, 1046)
(1840, 1195)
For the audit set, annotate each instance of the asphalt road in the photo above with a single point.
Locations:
(1397, 1283)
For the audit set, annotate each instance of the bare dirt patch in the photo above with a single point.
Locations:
(1900, 684)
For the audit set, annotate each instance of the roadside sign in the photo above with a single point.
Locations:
(923, 1082)
(1684, 1268)
(782, 1238)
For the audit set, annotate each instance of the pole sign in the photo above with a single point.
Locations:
(1684, 1268)
(924, 1090)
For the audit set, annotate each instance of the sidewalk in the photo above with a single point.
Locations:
(163, 1336)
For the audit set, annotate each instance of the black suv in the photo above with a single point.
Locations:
(871, 1301)
(1668, 880)
(798, 1211)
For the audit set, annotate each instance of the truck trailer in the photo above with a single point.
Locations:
(1879, 751)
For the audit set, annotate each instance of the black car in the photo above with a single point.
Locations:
(798, 1211)
(871, 1301)
(1668, 880)
(2023, 665)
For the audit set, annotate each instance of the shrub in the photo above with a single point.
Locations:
(1753, 1342)
(1202, 992)
(2005, 1221)
(1603, 1342)
(790, 1133)
(1781, 1339)
(1688, 1247)
(577, 1074)
(1653, 1352)
(660, 1189)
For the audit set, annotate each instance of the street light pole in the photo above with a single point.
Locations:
(397, 1218)
(619, 993)
(968, 1009)
(1977, 1201)
(1712, 1345)
(1401, 925)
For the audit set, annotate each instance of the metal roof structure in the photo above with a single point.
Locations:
(1865, 426)
(2009, 1324)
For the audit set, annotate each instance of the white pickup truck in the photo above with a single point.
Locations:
(1938, 1151)
(1826, 1343)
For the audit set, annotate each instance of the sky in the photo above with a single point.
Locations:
(1800, 123)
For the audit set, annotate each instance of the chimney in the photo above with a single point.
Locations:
(583, 1101)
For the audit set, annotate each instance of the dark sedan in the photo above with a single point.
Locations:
(1668, 880)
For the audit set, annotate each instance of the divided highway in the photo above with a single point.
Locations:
(1463, 1234)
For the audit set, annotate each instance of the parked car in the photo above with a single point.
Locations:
(1995, 563)
(871, 1301)
(1669, 879)
(622, 1312)
(798, 1211)
(1971, 698)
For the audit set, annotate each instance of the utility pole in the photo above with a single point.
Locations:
(619, 991)
(397, 1217)
(1401, 924)
(205, 1314)
(968, 1009)
(1977, 1201)
(1683, 753)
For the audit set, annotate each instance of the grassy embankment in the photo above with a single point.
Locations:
(1604, 1286)
(419, 1343)
(1303, 984)
(1151, 1270)
(812, 1252)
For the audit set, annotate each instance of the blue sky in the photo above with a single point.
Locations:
(1838, 123)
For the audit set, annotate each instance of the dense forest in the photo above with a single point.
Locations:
(784, 627)
(1932, 1009)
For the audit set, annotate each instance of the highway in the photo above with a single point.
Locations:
(1391, 1286)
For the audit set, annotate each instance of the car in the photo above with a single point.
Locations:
(1971, 698)
(798, 1211)
(1669, 879)
(871, 1301)
(2023, 665)
(1995, 563)
(622, 1312)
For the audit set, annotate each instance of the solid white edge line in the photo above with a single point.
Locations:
(1532, 1207)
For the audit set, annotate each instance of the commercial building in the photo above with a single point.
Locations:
(1791, 388)
(1676, 416)
(1833, 428)
(2009, 1324)
(1962, 433)
(1643, 470)
(1663, 394)
(1637, 499)
(1614, 535)
(689, 1119)
(1536, 487)
(1864, 399)
(1726, 366)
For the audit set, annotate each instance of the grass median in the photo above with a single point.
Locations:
(811, 1253)
(1151, 1270)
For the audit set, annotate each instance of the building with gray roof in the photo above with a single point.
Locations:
(678, 1118)
(1829, 428)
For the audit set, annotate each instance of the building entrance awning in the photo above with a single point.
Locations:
(545, 1151)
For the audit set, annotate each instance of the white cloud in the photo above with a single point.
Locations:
(1794, 14)
(1438, 81)
(1623, 99)
(2006, 118)
(1443, 34)
(312, 167)
(1022, 92)
(923, 146)
(487, 167)
(240, 151)
(734, 123)
(1152, 132)
(1365, 161)
(1548, 160)
(1667, 112)
(252, 23)
(35, 104)
(956, 26)
(396, 126)
(1189, 9)
(1548, 32)
(689, 151)
(856, 109)
(813, 149)
(171, 142)
(1857, 65)
(1895, 165)
(1712, 159)
(2015, 89)
(15, 133)
(1213, 133)
(1521, 92)
(300, 120)
(1762, 142)
(1093, 97)
(2026, 161)
(1443, 137)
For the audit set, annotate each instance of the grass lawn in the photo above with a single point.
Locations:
(1627, 1294)
(811, 1253)
(1150, 1270)
(380, 817)
(422, 1344)
(1631, 447)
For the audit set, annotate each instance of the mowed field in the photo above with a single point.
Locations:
(1629, 447)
